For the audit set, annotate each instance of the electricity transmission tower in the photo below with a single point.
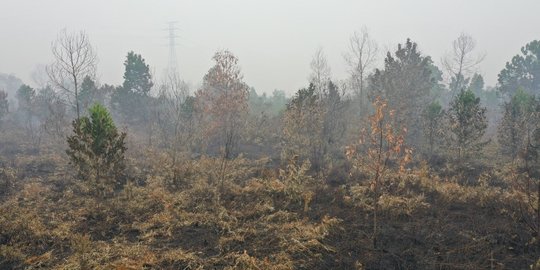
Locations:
(172, 67)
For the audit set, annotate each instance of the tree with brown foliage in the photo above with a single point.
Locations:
(223, 100)
(223, 103)
(378, 151)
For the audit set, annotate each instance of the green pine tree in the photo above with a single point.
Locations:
(432, 119)
(130, 99)
(25, 97)
(88, 93)
(518, 125)
(97, 150)
(467, 125)
(523, 72)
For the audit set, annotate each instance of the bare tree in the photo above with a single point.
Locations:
(360, 58)
(460, 63)
(176, 122)
(173, 112)
(176, 87)
(320, 72)
(74, 59)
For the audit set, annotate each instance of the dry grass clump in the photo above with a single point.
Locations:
(7, 180)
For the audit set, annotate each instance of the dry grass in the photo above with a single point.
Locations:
(261, 219)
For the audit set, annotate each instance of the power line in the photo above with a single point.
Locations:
(172, 67)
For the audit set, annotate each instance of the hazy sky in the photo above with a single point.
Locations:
(274, 40)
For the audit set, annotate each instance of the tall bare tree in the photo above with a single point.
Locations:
(460, 63)
(174, 116)
(320, 72)
(74, 59)
(360, 58)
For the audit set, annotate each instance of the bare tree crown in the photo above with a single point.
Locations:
(461, 61)
(320, 71)
(362, 53)
(74, 59)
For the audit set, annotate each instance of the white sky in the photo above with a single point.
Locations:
(274, 40)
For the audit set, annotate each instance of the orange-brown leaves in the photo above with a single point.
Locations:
(383, 150)
(381, 147)
(223, 101)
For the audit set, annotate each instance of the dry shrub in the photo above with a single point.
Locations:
(296, 179)
(361, 197)
(39, 166)
(403, 195)
(181, 259)
(185, 172)
(7, 180)
(244, 261)
(398, 206)
(24, 234)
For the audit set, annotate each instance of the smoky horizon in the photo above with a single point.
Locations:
(277, 38)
